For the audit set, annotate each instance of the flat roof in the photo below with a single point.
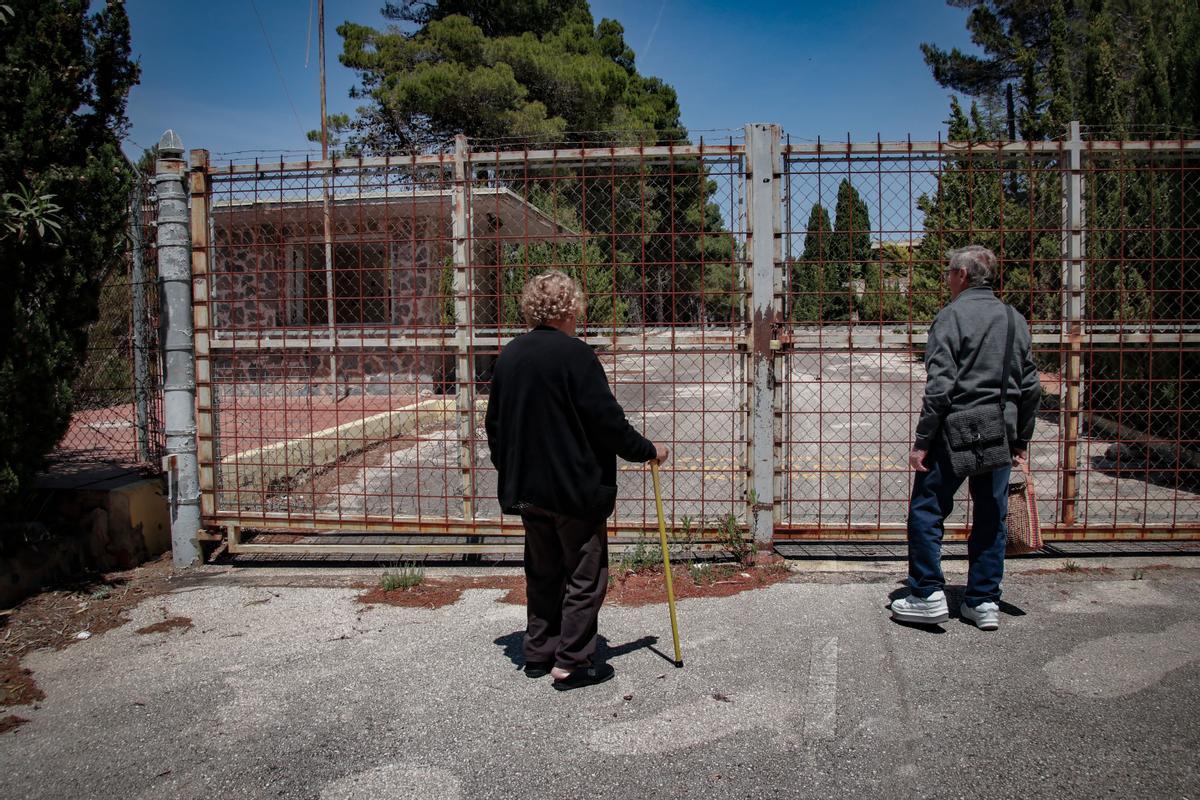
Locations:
(518, 217)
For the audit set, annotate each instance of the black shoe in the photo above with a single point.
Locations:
(537, 669)
(585, 676)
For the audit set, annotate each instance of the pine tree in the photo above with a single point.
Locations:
(1061, 107)
(851, 242)
(543, 72)
(540, 71)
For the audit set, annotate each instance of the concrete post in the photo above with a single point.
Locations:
(179, 375)
(766, 288)
(1072, 319)
(463, 327)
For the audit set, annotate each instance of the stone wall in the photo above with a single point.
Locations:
(360, 371)
(259, 265)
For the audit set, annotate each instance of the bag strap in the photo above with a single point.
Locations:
(1008, 349)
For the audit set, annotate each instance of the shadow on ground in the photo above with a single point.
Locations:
(954, 598)
(511, 644)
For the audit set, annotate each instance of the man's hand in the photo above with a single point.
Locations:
(662, 453)
(1020, 458)
(916, 460)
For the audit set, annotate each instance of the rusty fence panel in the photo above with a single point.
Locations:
(117, 417)
(760, 305)
(349, 372)
(1098, 249)
(1139, 450)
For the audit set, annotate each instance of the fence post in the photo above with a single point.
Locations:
(463, 324)
(1072, 319)
(141, 361)
(201, 195)
(765, 279)
(179, 377)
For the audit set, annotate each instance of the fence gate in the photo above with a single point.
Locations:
(355, 307)
(1100, 250)
(758, 305)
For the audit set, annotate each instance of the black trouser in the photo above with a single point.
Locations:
(566, 578)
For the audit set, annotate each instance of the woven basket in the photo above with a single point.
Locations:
(1024, 527)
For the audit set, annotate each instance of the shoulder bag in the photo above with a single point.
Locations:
(977, 438)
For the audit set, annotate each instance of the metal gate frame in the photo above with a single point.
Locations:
(765, 338)
(469, 534)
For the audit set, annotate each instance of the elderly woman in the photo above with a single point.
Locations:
(555, 430)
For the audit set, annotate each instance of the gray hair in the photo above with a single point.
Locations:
(552, 295)
(978, 261)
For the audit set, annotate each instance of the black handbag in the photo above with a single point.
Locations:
(977, 438)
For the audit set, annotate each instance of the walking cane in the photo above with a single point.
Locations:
(662, 537)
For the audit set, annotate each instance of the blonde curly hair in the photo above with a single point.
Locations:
(552, 295)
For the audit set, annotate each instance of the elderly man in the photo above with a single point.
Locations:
(555, 430)
(964, 363)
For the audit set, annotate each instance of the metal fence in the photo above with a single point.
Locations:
(759, 305)
(117, 417)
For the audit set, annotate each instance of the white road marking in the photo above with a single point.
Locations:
(410, 781)
(1097, 598)
(820, 708)
(810, 711)
(1119, 665)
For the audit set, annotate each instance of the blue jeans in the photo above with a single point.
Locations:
(932, 501)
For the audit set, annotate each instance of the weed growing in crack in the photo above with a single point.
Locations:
(637, 558)
(729, 532)
(402, 576)
(701, 573)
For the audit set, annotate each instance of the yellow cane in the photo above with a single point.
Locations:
(662, 536)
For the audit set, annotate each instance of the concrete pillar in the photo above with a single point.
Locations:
(179, 373)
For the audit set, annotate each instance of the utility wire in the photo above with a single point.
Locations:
(278, 71)
(308, 35)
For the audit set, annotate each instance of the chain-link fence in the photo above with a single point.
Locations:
(354, 309)
(356, 313)
(117, 416)
(1099, 254)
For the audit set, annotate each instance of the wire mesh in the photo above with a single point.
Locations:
(867, 235)
(355, 309)
(1140, 351)
(117, 417)
(350, 362)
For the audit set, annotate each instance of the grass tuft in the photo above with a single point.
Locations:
(402, 576)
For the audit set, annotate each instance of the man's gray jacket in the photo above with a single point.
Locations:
(963, 367)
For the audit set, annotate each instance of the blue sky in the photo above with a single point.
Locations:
(817, 68)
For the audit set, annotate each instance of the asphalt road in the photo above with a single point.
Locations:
(1091, 687)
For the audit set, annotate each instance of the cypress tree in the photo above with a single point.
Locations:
(808, 275)
(1061, 107)
(849, 250)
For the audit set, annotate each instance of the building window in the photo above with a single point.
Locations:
(361, 284)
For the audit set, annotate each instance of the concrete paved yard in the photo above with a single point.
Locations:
(805, 689)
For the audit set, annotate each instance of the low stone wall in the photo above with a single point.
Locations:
(257, 468)
(113, 524)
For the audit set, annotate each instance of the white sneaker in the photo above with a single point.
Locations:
(986, 616)
(930, 611)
